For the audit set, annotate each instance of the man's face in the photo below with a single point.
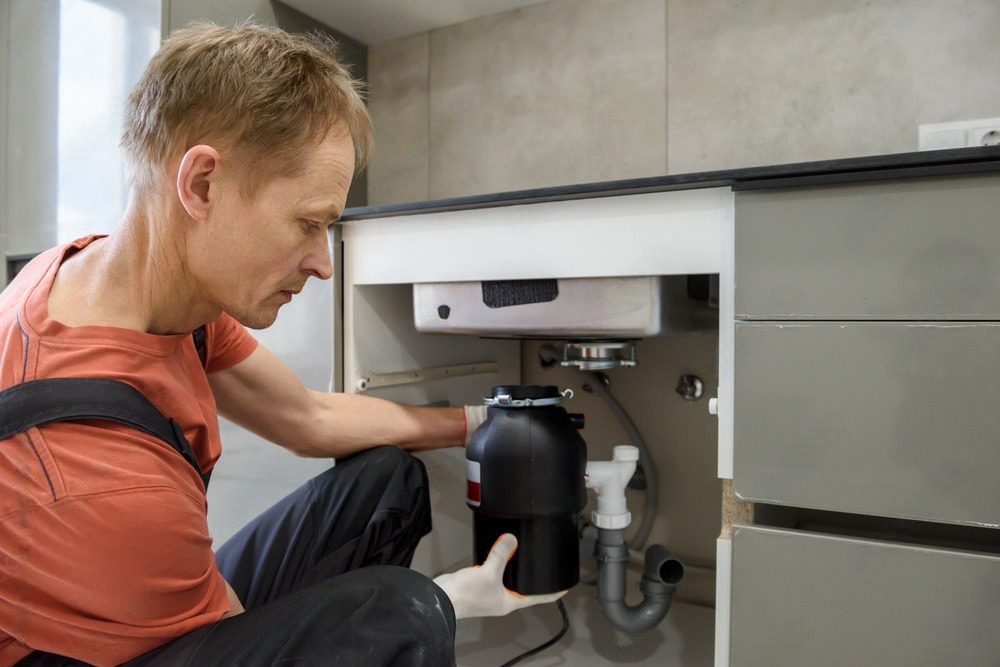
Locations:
(265, 249)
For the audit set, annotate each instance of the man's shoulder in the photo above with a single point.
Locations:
(34, 279)
(15, 322)
(35, 270)
(26, 279)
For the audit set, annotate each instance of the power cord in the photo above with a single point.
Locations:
(542, 647)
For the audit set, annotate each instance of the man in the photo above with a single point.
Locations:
(240, 145)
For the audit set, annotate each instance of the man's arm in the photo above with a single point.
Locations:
(264, 395)
(235, 606)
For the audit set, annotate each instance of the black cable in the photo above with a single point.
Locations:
(542, 647)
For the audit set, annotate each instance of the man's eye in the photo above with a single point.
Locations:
(310, 226)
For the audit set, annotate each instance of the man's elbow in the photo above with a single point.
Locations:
(312, 445)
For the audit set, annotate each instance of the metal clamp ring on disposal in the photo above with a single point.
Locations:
(505, 401)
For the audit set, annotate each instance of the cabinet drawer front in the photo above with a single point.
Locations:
(811, 599)
(927, 249)
(889, 419)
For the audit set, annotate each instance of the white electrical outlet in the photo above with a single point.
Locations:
(959, 134)
(985, 136)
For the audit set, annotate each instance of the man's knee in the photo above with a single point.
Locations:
(402, 610)
(375, 470)
(390, 458)
(377, 460)
(399, 587)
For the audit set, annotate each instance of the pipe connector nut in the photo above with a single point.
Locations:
(613, 521)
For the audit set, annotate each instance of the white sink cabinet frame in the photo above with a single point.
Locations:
(649, 234)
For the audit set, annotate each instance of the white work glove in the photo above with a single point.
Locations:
(475, 415)
(479, 590)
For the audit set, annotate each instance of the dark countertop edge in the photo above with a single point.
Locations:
(877, 167)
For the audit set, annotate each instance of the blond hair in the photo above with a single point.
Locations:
(266, 94)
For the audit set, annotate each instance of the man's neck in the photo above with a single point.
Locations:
(133, 279)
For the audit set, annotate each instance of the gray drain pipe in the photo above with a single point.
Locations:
(663, 572)
(659, 582)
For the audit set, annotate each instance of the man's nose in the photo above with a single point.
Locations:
(318, 262)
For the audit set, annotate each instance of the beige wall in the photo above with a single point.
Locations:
(681, 437)
(573, 91)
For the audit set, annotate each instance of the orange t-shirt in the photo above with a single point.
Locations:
(104, 544)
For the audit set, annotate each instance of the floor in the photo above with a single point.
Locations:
(685, 638)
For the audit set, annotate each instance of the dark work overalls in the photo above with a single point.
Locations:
(322, 574)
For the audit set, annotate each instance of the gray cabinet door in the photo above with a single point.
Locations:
(894, 419)
(920, 249)
(810, 599)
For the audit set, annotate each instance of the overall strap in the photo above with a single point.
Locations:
(40, 402)
(198, 335)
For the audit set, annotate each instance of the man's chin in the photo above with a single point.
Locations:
(256, 321)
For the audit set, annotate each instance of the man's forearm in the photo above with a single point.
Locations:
(264, 396)
(347, 423)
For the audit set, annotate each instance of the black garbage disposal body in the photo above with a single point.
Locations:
(525, 469)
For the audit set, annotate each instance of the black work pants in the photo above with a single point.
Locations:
(324, 580)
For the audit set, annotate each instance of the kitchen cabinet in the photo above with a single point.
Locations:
(865, 358)
(858, 351)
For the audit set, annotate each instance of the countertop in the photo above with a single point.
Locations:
(847, 170)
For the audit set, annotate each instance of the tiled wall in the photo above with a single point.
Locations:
(561, 92)
(772, 81)
(572, 91)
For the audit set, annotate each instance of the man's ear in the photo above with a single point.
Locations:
(198, 180)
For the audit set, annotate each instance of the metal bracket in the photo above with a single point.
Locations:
(369, 381)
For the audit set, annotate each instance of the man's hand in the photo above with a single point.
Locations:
(235, 606)
(475, 415)
(479, 590)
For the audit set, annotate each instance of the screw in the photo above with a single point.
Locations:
(690, 387)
